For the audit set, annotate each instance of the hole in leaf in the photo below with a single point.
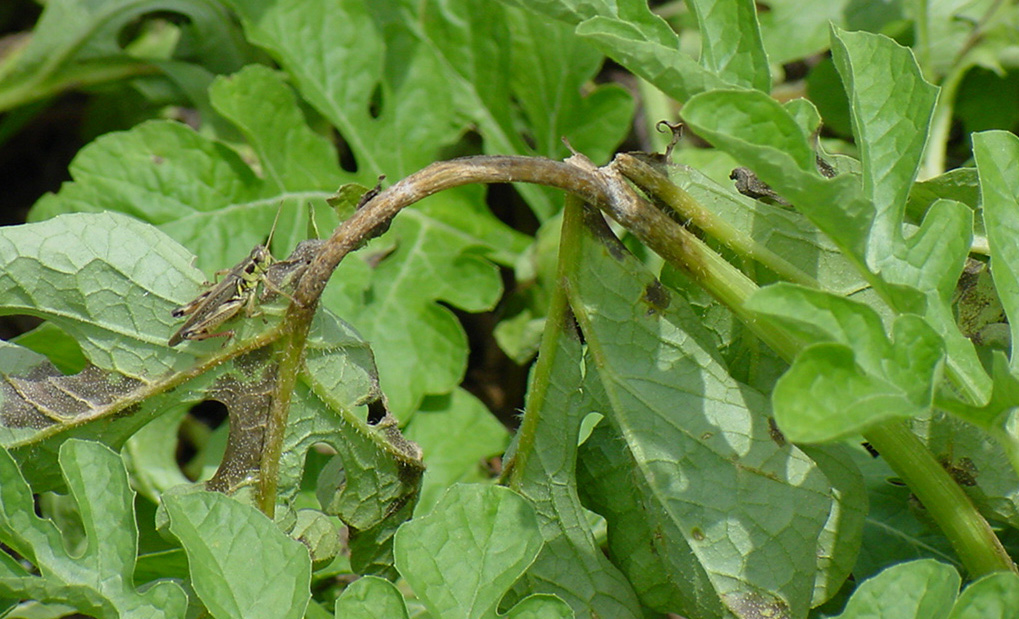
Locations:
(346, 156)
(376, 411)
(376, 102)
(14, 325)
(314, 461)
(49, 340)
(201, 438)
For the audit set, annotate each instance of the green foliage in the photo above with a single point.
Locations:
(242, 565)
(100, 581)
(688, 439)
(460, 559)
(931, 589)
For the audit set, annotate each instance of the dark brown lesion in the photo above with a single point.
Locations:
(656, 297)
(45, 397)
(775, 433)
(963, 470)
(247, 395)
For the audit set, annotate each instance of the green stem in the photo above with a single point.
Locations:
(941, 125)
(921, 31)
(971, 537)
(291, 346)
(41, 87)
(555, 323)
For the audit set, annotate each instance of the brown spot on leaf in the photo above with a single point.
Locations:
(656, 297)
(964, 472)
(776, 434)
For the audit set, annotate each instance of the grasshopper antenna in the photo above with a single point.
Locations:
(275, 220)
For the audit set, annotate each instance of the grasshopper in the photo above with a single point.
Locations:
(223, 300)
(238, 289)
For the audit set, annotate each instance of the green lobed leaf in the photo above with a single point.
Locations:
(206, 196)
(933, 261)
(426, 266)
(891, 107)
(340, 84)
(370, 598)
(853, 376)
(550, 77)
(696, 459)
(196, 190)
(99, 581)
(241, 564)
(340, 59)
(848, 400)
(292, 157)
(200, 191)
(889, 95)
(914, 275)
(463, 556)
